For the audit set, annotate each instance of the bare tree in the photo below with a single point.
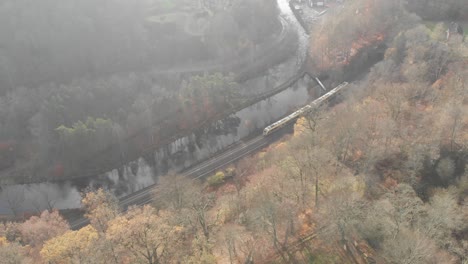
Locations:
(174, 192)
(340, 213)
(15, 198)
(456, 116)
(409, 248)
(231, 239)
(199, 207)
(444, 219)
(243, 168)
(275, 217)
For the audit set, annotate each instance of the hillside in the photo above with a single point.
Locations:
(379, 175)
(83, 78)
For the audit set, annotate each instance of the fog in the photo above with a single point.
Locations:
(78, 77)
(60, 41)
(233, 131)
(94, 86)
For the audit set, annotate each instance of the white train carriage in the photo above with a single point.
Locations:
(316, 103)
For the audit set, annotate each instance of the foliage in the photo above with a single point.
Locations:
(216, 179)
(101, 207)
(439, 10)
(175, 192)
(361, 25)
(71, 247)
(88, 137)
(146, 235)
(202, 253)
(376, 162)
(12, 254)
(210, 92)
(3, 241)
(39, 229)
(322, 259)
(387, 136)
(230, 172)
(50, 87)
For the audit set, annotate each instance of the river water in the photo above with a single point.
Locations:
(184, 152)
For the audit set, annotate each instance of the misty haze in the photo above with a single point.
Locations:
(233, 131)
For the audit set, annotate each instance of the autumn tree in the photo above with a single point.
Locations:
(10, 231)
(101, 207)
(189, 199)
(200, 217)
(411, 247)
(344, 135)
(72, 247)
(174, 192)
(12, 253)
(243, 168)
(438, 10)
(206, 94)
(275, 218)
(307, 159)
(443, 219)
(342, 210)
(147, 236)
(426, 59)
(455, 121)
(38, 229)
(361, 25)
(201, 252)
(398, 210)
(230, 239)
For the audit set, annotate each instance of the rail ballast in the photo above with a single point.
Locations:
(316, 103)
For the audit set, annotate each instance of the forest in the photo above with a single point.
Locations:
(78, 76)
(379, 175)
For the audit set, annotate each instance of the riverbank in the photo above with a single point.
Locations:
(277, 51)
(185, 150)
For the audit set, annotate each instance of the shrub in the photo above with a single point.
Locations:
(216, 179)
(230, 172)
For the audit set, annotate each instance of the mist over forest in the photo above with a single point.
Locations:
(233, 131)
(87, 74)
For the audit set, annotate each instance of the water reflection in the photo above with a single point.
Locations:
(183, 152)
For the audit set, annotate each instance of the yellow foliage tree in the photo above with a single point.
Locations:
(12, 253)
(300, 126)
(71, 247)
(145, 235)
(216, 179)
(3, 241)
(101, 207)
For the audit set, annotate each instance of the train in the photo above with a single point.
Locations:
(304, 110)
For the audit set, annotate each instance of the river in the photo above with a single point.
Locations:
(184, 152)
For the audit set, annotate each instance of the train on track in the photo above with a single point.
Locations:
(304, 110)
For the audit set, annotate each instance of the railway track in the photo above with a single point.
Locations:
(236, 152)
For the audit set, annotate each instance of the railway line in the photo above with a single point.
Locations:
(236, 152)
(239, 150)
(238, 64)
(304, 110)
